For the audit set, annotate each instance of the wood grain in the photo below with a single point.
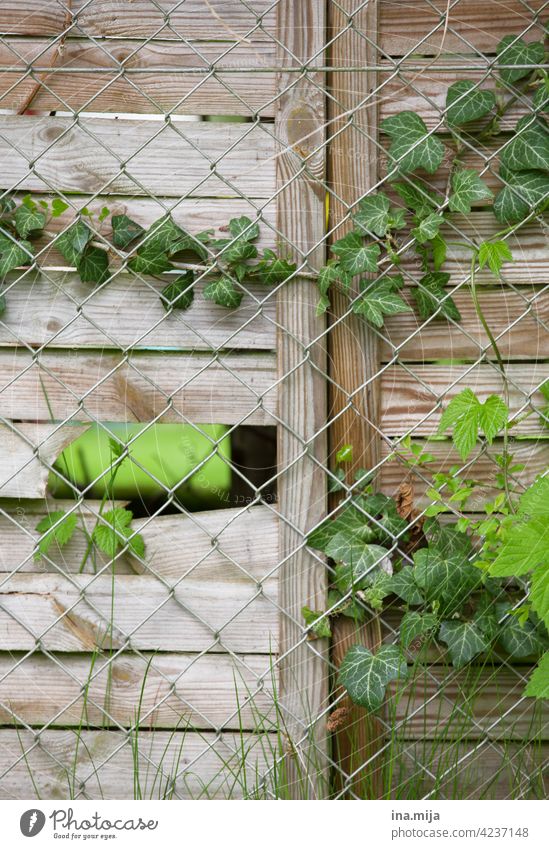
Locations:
(225, 388)
(135, 157)
(128, 76)
(102, 765)
(302, 410)
(73, 613)
(185, 690)
(26, 452)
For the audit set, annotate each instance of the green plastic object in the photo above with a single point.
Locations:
(160, 457)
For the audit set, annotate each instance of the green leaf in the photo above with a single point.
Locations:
(526, 546)
(373, 213)
(464, 641)
(27, 220)
(328, 276)
(535, 501)
(354, 256)
(115, 531)
(467, 416)
(162, 237)
(223, 291)
(345, 454)
(61, 534)
(412, 146)
(244, 227)
(529, 148)
(416, 624)
(494, 255)
(349, 520)
(365, 676)
(149, 261)
(239, 251)
(527, 190)
(2, 305)
(438, 248)
(518, 640)
(317, 621)
(417, 197)
(431, 298)
(404, 585)
(93, 265)
(377, 302)
(541, 97)
(515, 51)
(13, 254)
(124, 230)
(492, 416)
(7, 204)
(539, 592)
(58, 207)
(359, 561)
(445, 579)
(467, 187)
(538, 685)
(427, 228)
(73, 241)
(179, 294)
(466, 102)
(378, 590)
(273, 270)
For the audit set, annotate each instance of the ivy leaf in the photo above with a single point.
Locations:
(373, 213)
(149, 261)
(273, 269)
(417, 197)
(378, 301)
(244, 227)
(515, 51)
(359, 561)
(412, 146)
(222, 291)
(365, 676)
(466, 102)
(112, 535)
(464, 641)
(404, 585)
(427, 228)
(447, 580)
(541, 97)
(538, 685)
(179, 294)
(494, 255)
(93, 265)
(354, 256)
(317, 621)
(328, 276)
(162, 237)
(61, 534)
(518, 640)
(526, 191)
(124, 230)
(438, 248)
(350, 521)
(467, 187)
(414, 625)
(58, 207)
(13, 254)
(431, 298)
(73, 241)
(28, 219)
(529, 147)
(239, 251)
(378, 590)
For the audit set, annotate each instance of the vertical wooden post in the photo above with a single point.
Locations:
(300, 129)
(354, 354)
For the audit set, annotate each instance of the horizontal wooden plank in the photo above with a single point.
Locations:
(413, 401)
(442, 703)
(101, 765)
(195, 19)
(136, 157)
(407, 25)
(74, 614)
(225, 389)
(208, 543)
(129, 76)
(469, 771)
(129, 313)
(518, 320)
(177, 690)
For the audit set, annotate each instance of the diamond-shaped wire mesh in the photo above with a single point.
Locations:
(184, 667)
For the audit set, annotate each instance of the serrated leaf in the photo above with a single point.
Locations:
(492, 416)
(431, 298)
(464, 641)
(244, 227)
(365, 676)
(518, 640)
(535, 501)
(414, 625)
(412, 146)
(515, 51)
(124, 230)
(428, 227)
(179, 294)
(317, 621)
(466, 102)
(526, 547)
(355, 256)
(379, 301)
(93, 265)
(494, 255)
(373, 213)
(538, 685)
(539, 592)
(115, 532)
(467, 187)
(529, 148)
(27, 220)
(13, 254)
(223, 291)
(61, 533)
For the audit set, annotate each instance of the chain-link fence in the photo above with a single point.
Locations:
(186, 397)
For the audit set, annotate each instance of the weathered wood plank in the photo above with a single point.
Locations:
(102, 765)
(518, 320)
(136, 157)
(209, 543)
(406, 25)
(148, 614)
(226, 388)
(414, 401)
(176, 690)
(195, 19)
(299, 126)
(129, 76)
(129, 313)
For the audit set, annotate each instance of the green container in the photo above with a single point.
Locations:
(166, 453)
